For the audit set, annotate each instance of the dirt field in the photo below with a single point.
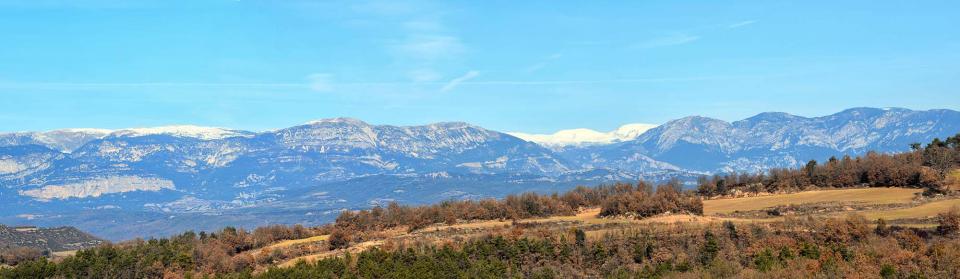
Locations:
(861, 196)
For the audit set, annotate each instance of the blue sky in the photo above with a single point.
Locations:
(532, 66)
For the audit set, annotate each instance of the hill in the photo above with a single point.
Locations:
(162, 180)
(46, 239)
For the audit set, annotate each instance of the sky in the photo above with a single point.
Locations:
(530, 66)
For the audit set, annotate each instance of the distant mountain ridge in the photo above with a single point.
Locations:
(783, 140)
(582, 137)
(66, 140)
(160, 177)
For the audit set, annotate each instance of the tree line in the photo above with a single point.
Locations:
(850, 247)
(927, 167)
(219, 252)
(817, 248)
(617, 199)
(231, 250)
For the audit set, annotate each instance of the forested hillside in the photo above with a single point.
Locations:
(932, 166)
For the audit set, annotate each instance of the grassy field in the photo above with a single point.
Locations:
(353, 249)
(587, 216)
(858, 196)
(907, 208)
(62, 254)
(922, 211)
(288, 243)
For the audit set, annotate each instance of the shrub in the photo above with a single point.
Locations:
(710, 248)
(888, 271)
(949, 222)
(19, 254)
(581, 237)
(339, 238)
(882, 229)
(764, 260)
(809, 251)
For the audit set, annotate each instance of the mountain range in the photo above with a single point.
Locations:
(141, 182)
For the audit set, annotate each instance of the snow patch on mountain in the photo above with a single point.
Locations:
(8, 166)
(632, 131)
(97, 187)
(343, 120)
(102, 132)
(582, 136)
(65, 140)
(189, 131)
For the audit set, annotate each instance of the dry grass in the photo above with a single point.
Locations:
(953, 180)
(353, 249)
(865, 196)
(589, 217)
(62, 254)
(288, 243)
(922, 211)
(676, 218)
(859, 196)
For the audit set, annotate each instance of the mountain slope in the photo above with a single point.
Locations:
(161, 180)
(167, 172)
(583, 137)
(63, 140)
(770, 140)
(49, 239)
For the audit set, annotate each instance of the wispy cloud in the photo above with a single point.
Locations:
(429, 47)
(149, 84)
(672, 40)
(741, 24)
(388, 8)
(447, 86)
(320, 82)
(457, 81)
(423, 25)
(426, 48)
(424, 75)
(611, 81)
(543, 63)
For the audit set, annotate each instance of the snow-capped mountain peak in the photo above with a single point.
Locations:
(583, 136)
(344, 120)
(632, 131)
(350, 163)
(65, 140)
(85, 130)
(189, 131)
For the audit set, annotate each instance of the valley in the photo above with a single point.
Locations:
(164, 180)
(294, 254)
